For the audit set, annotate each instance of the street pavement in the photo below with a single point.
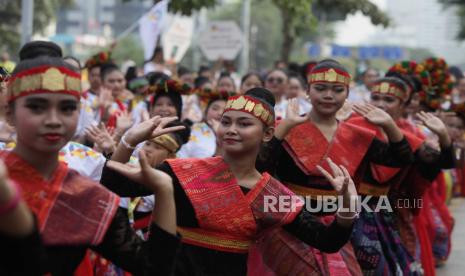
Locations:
(456, 263)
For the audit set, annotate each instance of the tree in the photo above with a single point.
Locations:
(297, 17)
(186, 7)
(128, 48)
(10, 14)
(301, 15)
(460, 4)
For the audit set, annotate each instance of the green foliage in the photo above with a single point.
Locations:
(186, 7)
(10, 14)
(298, 13)
(298, 16)
(460, 4)
(346, 7)
(129, 48)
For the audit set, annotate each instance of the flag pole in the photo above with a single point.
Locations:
(129, 30)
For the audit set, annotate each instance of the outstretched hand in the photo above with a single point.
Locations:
(432, 122)
(150, 129)
(340, 180)
(144, 174)
(101, 138)
(293, 113)
(373, 114)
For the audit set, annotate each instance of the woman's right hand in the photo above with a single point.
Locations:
(150, 129)
(105, 98)
(155, 180)
(293, 116)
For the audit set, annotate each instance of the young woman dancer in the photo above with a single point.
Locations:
(302, 143)
(413, 182)
(73, 212)
(222, 201)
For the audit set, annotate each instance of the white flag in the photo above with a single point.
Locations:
(150, 26)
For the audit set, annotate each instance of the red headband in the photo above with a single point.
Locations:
(44, 79)
(252, 106)
(389, 88)
(331, 75)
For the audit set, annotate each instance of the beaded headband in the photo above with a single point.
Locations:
(99, 59)
(44, 79)
(167, 142)
(170, 86)
(206, 95)
(330, 75)
(389, 88)
(252, 106)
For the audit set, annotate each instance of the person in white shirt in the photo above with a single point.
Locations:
(361, 93)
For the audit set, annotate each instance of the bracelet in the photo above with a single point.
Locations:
(354, 216)
(13, 202)
(126, 144)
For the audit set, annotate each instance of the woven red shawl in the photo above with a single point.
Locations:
(71, 209)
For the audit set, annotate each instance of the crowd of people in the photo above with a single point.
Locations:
(124, 170)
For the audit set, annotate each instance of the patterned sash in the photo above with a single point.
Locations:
(228, 220)
(309, 147)
(71, 209)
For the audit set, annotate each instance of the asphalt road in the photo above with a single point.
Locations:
(456, 263)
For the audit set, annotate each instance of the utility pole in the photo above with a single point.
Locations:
(244, 63)
(27, 15)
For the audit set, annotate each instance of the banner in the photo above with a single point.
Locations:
(150, 27)
(177, 38)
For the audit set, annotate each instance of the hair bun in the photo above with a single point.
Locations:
(262, 94)
(36, 49)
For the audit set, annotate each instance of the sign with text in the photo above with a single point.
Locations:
(221, 39)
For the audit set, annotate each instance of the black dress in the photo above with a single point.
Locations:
(28, 256)
(195, 260)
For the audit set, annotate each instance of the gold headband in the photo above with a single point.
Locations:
(390, 89)
(167, 142)
(44, 79)
(329, 75)
(252, 106)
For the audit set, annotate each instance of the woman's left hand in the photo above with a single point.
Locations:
(373, 114)
(432, 122)
(340, 180)
(101, 138)
(144, 174)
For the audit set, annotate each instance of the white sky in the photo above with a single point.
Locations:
(357, 28)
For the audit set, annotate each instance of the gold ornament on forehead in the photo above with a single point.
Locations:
(249, 106)
(331, 75)
(73, 83)
(243, 103)
(387, 88)
(319, 76)
(53, 80)
(29, 82)
(229, 104)
(265, 116)
(258, 110)
(384, 87)
(239, 103)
